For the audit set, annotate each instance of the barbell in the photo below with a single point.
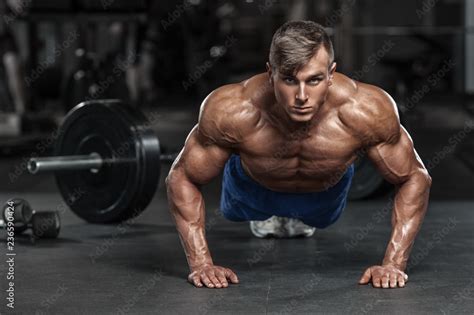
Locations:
(106, 161)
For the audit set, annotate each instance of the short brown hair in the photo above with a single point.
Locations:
(295, 43)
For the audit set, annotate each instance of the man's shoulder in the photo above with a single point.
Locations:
(370, 112)
(228, 103)
(227, 111)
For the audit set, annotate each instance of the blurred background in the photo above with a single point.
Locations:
(164, 57)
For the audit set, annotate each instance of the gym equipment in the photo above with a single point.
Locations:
(367, 181)
(107, 161)
(44, 224)
(22, 213)
(10, 125)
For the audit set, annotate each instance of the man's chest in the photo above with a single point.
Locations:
(326, 141)
(300, 164)
(307, 153)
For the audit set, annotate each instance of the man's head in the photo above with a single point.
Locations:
(301, 65)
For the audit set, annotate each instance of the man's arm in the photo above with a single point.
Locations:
(395, 157)
(202, 158)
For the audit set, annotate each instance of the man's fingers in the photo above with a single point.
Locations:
(197, 281)
(214, 279)
(401, 281)
(231, 275)
(393, 280)
(220, 275)
(376, 282)
(207, 282)
(194, 279)
(385, 280)
(365, 277)
(384, 277)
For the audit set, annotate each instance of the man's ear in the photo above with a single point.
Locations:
(332, 69)
(270, 72)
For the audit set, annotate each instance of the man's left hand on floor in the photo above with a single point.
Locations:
(384, 277)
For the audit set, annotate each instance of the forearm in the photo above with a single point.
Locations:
(411, 202)
(188, 211)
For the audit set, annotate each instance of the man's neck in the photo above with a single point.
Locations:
(277, 117)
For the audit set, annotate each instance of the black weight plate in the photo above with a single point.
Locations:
(127, 181)
(367, 181)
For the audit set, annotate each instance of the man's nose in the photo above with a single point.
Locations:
(301, 96)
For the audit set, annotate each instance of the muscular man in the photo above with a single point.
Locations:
(287, 140)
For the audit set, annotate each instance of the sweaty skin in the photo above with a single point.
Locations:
(298, 133)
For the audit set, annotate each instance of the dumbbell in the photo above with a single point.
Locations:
(106, 161)
(45, 224)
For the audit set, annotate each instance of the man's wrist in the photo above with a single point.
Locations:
(398, 266)
(199, 264)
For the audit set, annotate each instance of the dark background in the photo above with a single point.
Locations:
(166, 56)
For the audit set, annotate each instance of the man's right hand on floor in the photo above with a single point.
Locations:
(212, 276)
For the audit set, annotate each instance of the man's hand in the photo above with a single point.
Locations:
(212, 276)
(384, 276)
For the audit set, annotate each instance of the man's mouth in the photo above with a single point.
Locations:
(298, 109)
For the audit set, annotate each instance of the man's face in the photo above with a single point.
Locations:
(303, 93)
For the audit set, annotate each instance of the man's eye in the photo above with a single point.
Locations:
(289, 80)
(314, 80)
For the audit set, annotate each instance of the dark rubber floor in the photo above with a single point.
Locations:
(139, 267)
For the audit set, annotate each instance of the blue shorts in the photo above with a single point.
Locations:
(244, 199)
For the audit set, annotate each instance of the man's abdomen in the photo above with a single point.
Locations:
(245, 199)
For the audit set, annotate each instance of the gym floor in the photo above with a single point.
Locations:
(138, 267)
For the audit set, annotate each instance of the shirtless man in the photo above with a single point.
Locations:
(287, 140)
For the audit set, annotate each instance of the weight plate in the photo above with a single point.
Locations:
(125, 184)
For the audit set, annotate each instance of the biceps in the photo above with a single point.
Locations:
(396, 161)
(201, 160)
